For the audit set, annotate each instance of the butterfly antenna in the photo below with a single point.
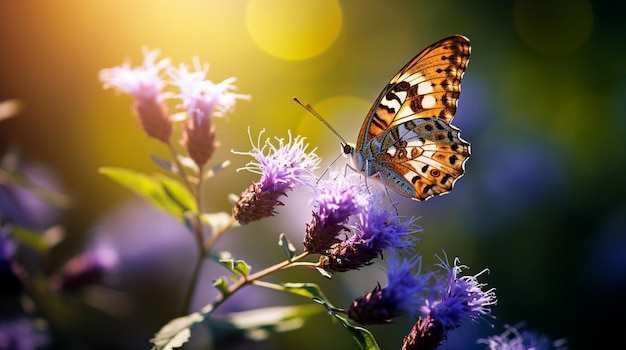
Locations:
(319, 117)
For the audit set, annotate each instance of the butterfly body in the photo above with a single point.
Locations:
(407, 139)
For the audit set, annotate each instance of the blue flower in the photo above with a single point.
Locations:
(513, 339)
(404, 293)
(282, 168)
(459, 298)
(88, 268)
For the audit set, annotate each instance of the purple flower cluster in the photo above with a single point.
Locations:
(201, 99)
(444, 299)
(351, 211)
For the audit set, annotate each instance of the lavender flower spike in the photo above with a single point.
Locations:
(378, 228)
(282, 168)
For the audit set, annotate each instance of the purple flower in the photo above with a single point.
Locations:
(282, 168)
(203, 100)
(201, 97)
(460, 298)
(377, 228)
(146, 85)
(403, 294)
(143, 82)
(513, 339)
(22, 334)
(88, 268)
(452, 300)
(337, 199)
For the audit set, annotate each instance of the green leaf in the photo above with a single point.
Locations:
(307, 290)
(238, 267)
(288, 248)
(264, 321)
(362, 336)
(177, 331)
(242, 268)
(164, 193)
(222, 286)
(177, 192)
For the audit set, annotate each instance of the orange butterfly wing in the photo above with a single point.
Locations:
(406, 138)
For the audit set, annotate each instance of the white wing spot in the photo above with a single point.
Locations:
(424, 88)
(428, 101)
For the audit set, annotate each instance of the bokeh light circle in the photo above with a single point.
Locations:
(553, 27)
(294, 30)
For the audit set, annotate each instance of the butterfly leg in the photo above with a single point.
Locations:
(382, 181)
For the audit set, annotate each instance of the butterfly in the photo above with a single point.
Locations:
(406, 138)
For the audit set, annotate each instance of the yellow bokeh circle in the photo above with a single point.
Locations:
(294, 30)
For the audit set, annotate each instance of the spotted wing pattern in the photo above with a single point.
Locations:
(407, 138)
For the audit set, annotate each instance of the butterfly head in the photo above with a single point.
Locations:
(347, 148)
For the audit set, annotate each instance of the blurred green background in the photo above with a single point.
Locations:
(542, 204)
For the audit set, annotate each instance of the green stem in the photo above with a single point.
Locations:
(195, 190)
(254, 277)
(192, 286)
